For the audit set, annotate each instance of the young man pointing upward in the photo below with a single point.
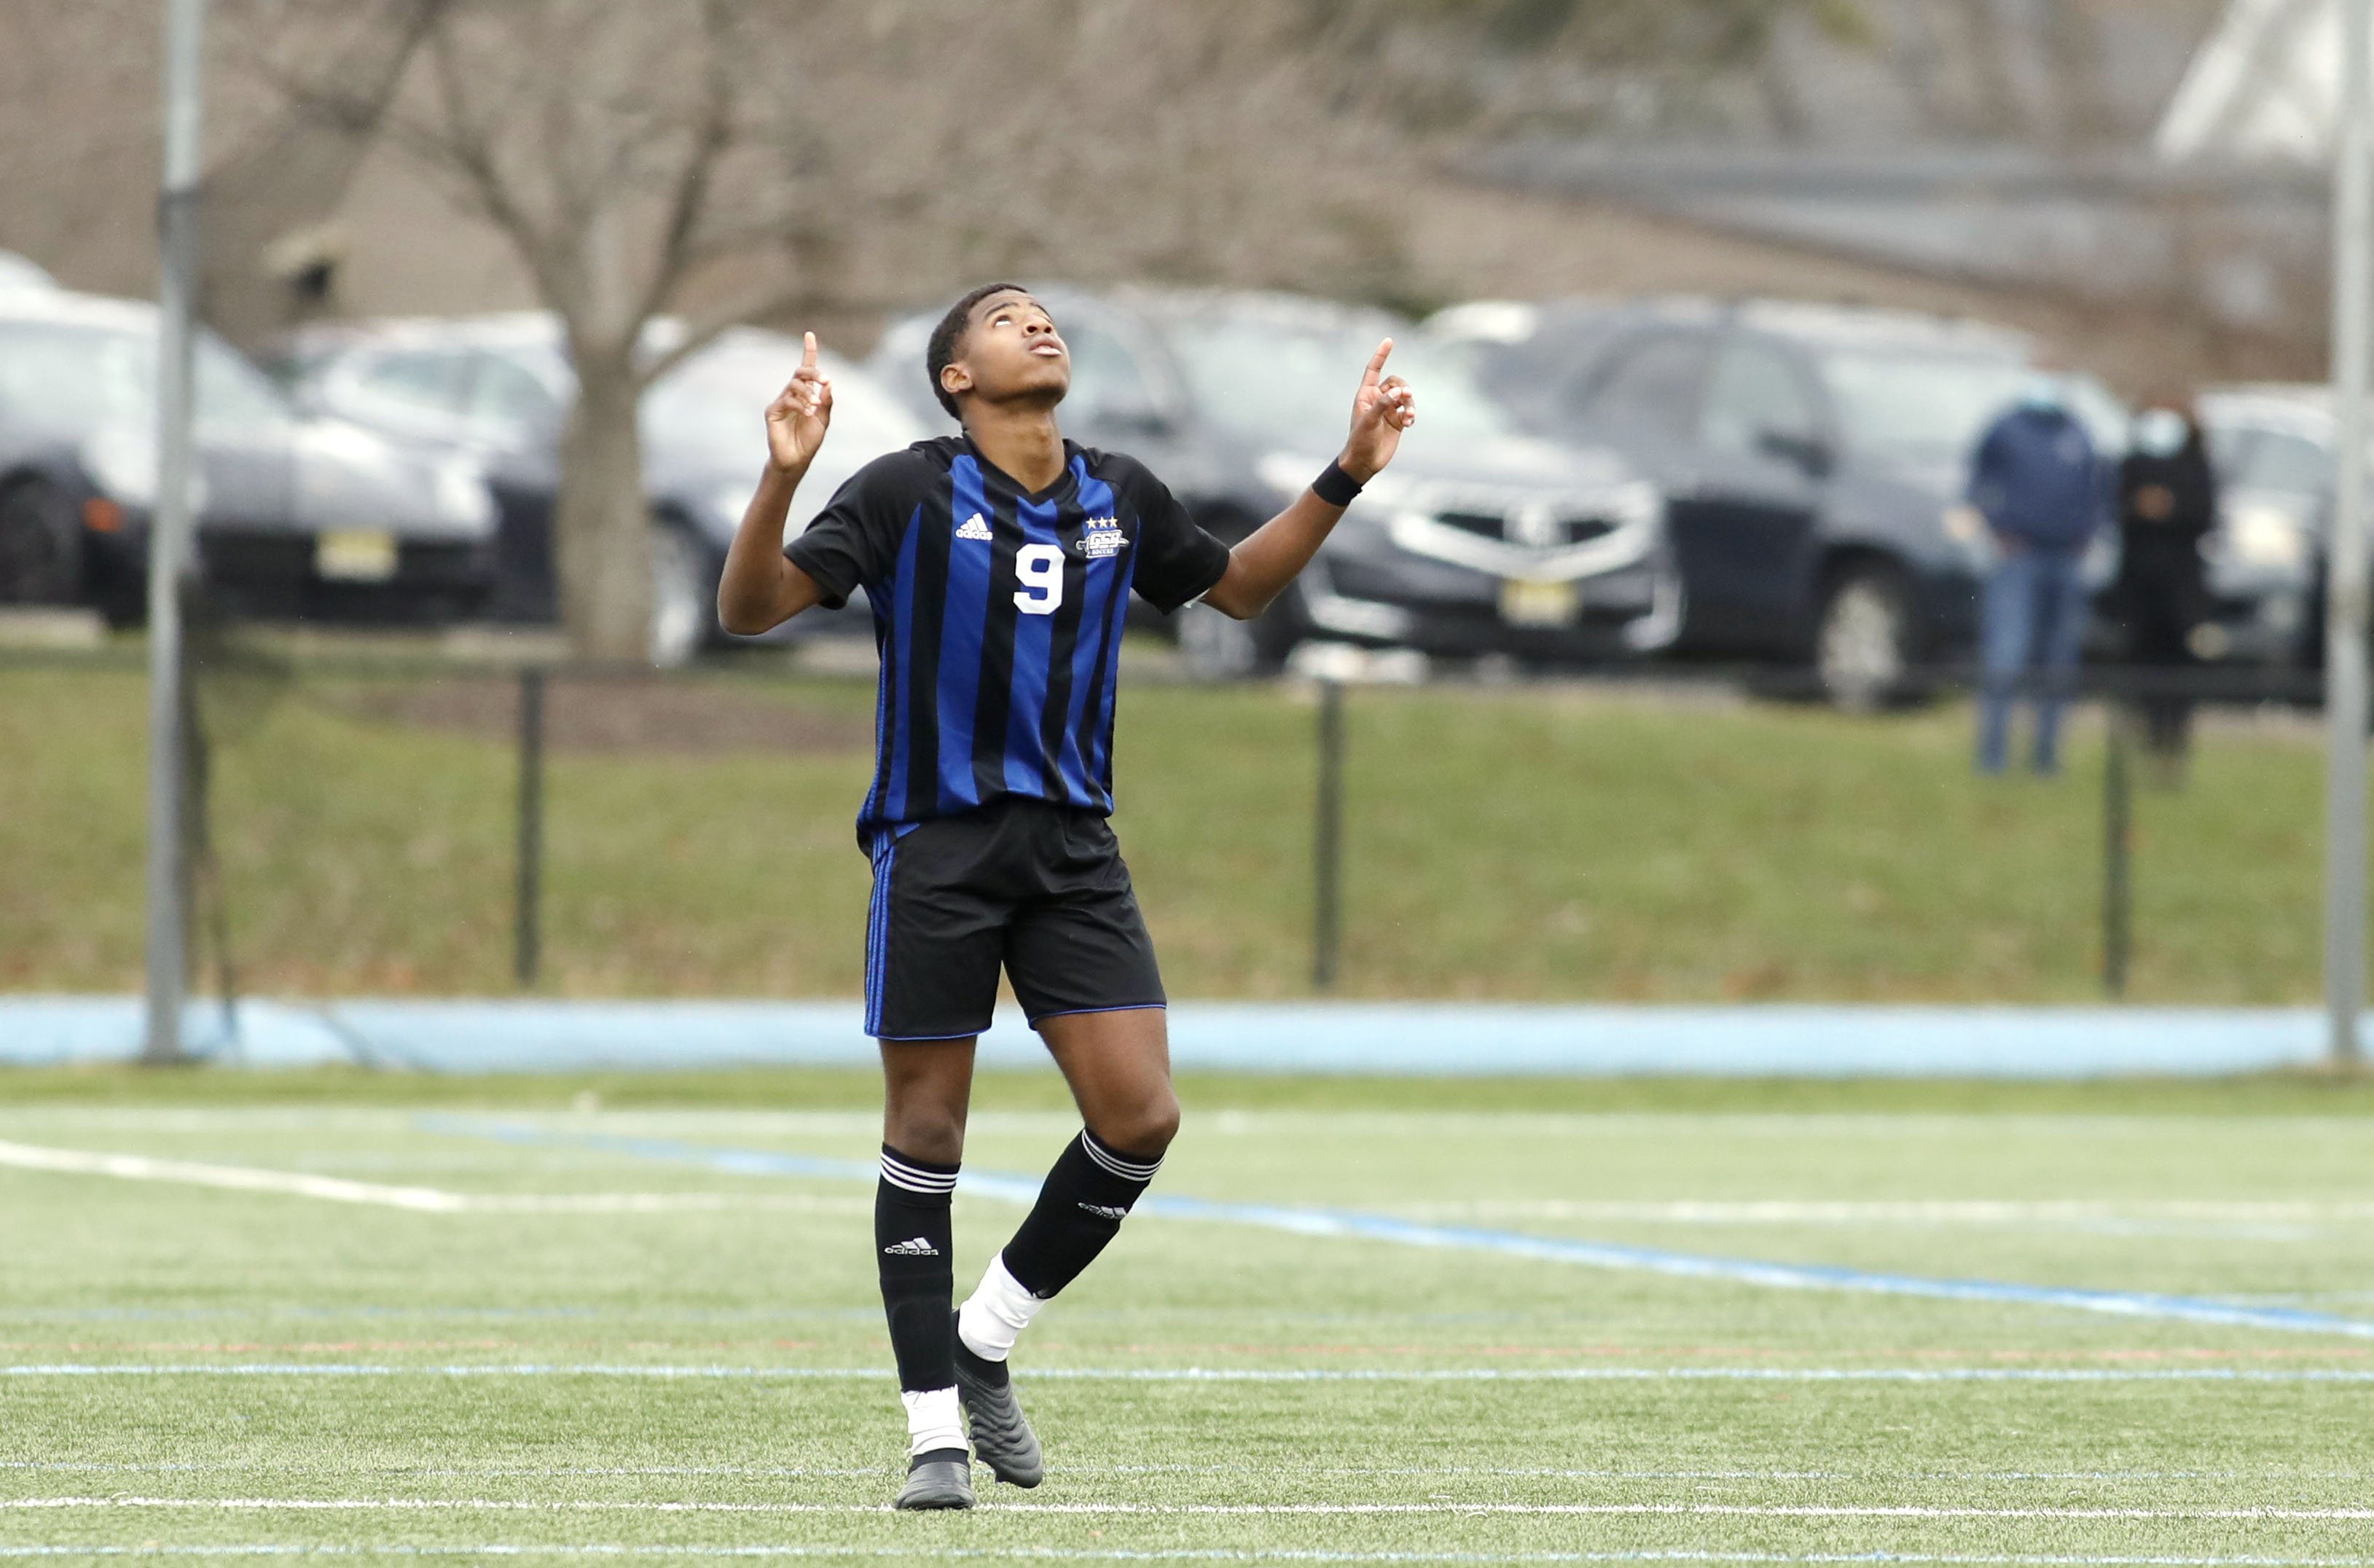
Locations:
(998, 565)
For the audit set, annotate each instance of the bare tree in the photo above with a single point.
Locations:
(631, 153)
(645, 157)
(269, 255)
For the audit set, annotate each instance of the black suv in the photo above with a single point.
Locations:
(1812, 459)
(1480, 540)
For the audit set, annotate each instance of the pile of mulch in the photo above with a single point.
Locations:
(591, 714)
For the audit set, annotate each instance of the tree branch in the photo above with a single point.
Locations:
(465, 145)
(703, 329)
(688, 202)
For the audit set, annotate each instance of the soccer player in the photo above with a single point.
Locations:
(998, 565)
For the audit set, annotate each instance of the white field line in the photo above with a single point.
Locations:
(1710, 1211)
(493, 1472)
(1226, 1555)
(422, 1200)
(1684, 1510)
(666, 1371)
(1223, 1555)
(1911, 1211)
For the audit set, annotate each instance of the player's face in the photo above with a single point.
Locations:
(1013, 351)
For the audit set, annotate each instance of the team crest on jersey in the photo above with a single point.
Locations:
(1103, 537)
(974, 528)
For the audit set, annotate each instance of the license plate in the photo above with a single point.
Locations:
(1524, 603)
(355, 554)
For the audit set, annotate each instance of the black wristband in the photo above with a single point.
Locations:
(1334, 486)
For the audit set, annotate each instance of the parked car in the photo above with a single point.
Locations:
(1478, 540)
(2272, 447)
(499, 388)
(296, 514)
(1812, 463)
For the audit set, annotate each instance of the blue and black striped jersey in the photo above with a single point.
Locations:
(998, 616)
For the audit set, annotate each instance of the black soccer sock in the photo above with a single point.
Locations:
(912, 1246)
(1080, 1208)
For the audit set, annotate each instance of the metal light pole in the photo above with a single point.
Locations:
(2346, 593)
(177, 224)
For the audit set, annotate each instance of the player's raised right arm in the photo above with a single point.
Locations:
(759, 590)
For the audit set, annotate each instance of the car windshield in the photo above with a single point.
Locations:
(1918, 407)
(73, 378)
(715, 405)
(1291, 383)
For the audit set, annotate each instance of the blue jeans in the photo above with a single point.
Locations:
(2033, 618)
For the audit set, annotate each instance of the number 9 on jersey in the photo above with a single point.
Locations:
(1040, 570)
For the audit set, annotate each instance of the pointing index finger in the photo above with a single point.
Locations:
(807, 351)
(1376, 364)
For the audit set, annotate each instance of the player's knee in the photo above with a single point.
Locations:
(1146, 1127)
(925, 1132)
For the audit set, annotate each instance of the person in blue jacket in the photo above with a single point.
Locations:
(2037, 481)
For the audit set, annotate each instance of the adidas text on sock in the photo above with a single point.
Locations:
(913, 1247)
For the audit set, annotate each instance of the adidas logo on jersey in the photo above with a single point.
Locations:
(974, 528)
(1104, 1212)
(918, 1248)
(1103, 538)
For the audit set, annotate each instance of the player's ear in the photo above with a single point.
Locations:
(955, 379)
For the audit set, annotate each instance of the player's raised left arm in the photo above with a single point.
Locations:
(1271, 556)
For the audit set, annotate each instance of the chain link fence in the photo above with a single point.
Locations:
(377, 817)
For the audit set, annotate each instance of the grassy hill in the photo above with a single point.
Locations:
(1524, 842)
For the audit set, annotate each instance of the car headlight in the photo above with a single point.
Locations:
(1638, 501)
(124, 464)
(2266, 537)
(1290, 474)
(462, 494)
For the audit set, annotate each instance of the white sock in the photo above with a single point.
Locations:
(996, 1312)
(932, 1421)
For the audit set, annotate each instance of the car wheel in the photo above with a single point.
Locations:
(40, 546)
(1862, 644)
(1215, 646)
(681, 596)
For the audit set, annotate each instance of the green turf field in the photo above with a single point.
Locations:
(515, 1327)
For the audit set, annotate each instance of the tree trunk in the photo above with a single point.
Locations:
(601, 547)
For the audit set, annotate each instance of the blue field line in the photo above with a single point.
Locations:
(1342, 1223)
(1223, 1555)
(661, 1372)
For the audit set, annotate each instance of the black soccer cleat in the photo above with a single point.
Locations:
(1002, 1437)
(941, 1479)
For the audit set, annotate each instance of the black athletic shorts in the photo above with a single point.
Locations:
(1035, 886)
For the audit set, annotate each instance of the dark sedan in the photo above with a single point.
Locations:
(1480, 540)
(295, 515)
(1812, 462)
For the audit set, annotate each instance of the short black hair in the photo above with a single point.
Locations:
(941, 351)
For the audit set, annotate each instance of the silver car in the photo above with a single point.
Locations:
(298, 514)
(498, 389)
